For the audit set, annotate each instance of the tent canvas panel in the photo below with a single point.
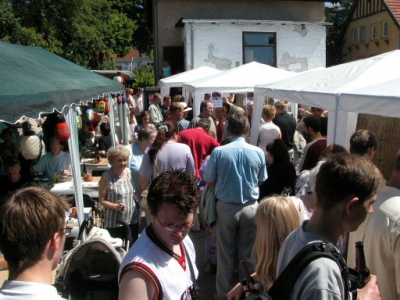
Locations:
(35, 80)
(244, 78)
(331, 83)
(177, 80)
(383, 99)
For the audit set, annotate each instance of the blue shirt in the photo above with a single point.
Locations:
(236, 169)
(134, 165)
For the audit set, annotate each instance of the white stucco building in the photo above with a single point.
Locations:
(225, 44)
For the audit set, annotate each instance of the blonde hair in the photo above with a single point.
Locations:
(281, 104)
(115, 152)
(276, 218)
(268, 111)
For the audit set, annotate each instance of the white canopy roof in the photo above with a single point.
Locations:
(381, 99)
(324, 88)
(177, 80)
(240, 79)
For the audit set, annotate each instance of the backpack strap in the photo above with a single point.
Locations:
(283, 286)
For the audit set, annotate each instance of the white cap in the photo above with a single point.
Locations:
(185, 106)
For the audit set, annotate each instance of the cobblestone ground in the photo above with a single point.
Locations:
(206, 282)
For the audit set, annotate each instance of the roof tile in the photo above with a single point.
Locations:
(394, 7)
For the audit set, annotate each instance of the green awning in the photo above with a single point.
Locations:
(34, 80)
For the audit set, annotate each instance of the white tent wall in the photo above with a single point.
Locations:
(112, 119)
(326, 101)
(73, 144)
(325, 89)
(177, 80)
(382, 98)
(241, 79)
(340, 125)
(123, 117)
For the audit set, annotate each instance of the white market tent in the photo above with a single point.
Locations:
(366, 100)
(241, 79)
(325, 88)
(179, 79)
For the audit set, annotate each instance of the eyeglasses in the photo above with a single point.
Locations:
(68, 230)
(185, 227)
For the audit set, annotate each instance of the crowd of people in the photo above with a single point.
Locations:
(265, 214)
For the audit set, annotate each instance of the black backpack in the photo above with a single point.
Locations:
(283, 286)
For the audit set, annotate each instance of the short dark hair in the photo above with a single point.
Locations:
(10, 162)
(165, 133)
(40, 214)
(144, 114)
(345, 175)
(227, 106)
(203, 105)
(238, 124)
(105, 128)
(313, 122)
(177, 188)
(332, 149)
(361, 141)
(175, 106)
(158, 96)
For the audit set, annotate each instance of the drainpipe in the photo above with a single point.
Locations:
(155, 38)
(192, 44)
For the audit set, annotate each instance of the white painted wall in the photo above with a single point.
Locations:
(297, 49)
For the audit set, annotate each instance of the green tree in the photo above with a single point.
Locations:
(86, 32)
(144, 77)
(140, 11)
(337, 15)
(143, 36)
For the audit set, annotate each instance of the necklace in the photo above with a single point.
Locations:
(117, 176)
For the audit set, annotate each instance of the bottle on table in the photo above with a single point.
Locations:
(84, 172)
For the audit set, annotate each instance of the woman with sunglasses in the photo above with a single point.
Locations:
(161, 264)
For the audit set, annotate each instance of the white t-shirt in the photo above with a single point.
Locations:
(268, 132)
(22, 290)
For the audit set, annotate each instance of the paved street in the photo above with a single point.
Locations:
(206, 282)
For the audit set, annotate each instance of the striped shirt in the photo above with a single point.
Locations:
(119, 191)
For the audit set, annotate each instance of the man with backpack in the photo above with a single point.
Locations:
(346, 188)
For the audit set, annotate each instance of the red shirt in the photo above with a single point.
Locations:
(200, 143)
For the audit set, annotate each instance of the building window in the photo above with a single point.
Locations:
(259, 47)
(363, 34)
(355, 35)
(374, 31)
(385, 29)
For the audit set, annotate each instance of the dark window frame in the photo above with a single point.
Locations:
(244, 33)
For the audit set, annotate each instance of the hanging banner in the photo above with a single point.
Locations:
(217, 99)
